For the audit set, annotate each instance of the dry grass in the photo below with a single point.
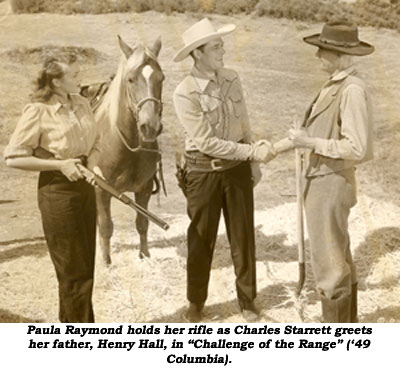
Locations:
(153, 290)
(280, 77)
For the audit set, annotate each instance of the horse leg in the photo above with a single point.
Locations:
(142, 223)
(105, 223)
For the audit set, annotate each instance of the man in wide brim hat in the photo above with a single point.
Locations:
(340, 37)
(199, 34)
(221, 167)
(337, 131)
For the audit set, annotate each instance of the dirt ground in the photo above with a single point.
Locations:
(280, 77)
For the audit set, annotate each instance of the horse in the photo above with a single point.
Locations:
(128, 113)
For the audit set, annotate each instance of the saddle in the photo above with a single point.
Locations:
(95, 92)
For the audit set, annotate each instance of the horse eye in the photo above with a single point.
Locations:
(131, 80)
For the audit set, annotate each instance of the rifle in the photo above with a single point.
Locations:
(102, 184)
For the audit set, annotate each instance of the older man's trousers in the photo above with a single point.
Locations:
(208, 193)
(69, 222)
(328, 200)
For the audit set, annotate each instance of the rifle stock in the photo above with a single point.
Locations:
(104, 185)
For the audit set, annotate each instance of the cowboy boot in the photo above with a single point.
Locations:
(194, 312)
(336, 310)
(250, 312)
(354, 306)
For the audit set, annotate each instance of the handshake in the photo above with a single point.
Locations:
(262, 151)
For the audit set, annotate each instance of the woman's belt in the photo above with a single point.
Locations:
(197, 161)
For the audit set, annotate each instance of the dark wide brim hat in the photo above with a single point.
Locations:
(342, 38)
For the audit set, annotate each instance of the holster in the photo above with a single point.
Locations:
(181, 171)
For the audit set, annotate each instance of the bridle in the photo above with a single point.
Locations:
(135, 107)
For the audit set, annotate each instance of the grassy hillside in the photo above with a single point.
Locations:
(377, 13)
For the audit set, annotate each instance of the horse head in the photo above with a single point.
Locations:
(142, 79)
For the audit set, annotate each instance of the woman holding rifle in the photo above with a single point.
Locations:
(60, 124)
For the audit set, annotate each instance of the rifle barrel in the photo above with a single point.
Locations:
(104, 185)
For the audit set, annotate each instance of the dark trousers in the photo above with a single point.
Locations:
(69, 222)
(207, 194)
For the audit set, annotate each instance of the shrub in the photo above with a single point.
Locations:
(314, 11)
(378, 13)
(37, 55)
(235, 6)
(74, 6)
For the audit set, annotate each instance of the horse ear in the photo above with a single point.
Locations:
(157, 46)
(126, 49)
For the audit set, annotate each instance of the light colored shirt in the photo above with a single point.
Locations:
(356, 124)
(214, 115)
(51, 126)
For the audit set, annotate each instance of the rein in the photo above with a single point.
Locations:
(137, 149)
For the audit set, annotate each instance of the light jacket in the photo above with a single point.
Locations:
(340, 119)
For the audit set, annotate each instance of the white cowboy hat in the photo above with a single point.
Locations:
(199, 34)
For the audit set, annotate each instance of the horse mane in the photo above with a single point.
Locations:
(117, 94)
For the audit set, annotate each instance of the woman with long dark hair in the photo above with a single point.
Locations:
(55, 133)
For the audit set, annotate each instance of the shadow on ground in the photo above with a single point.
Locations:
(273, 296)
(268, 248)
(385, 314)
(34, 247)
(7, 316)
(377, 244)
(6, 201)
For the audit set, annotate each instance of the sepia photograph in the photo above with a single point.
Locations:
(205, 161)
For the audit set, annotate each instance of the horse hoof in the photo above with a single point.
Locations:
(107, 260)
(143, 255)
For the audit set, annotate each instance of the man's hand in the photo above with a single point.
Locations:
(256, 173)
(283, 145)
(263, 151)
(300, 139)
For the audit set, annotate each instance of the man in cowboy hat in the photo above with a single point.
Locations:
(337, 133)
(221, 166)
